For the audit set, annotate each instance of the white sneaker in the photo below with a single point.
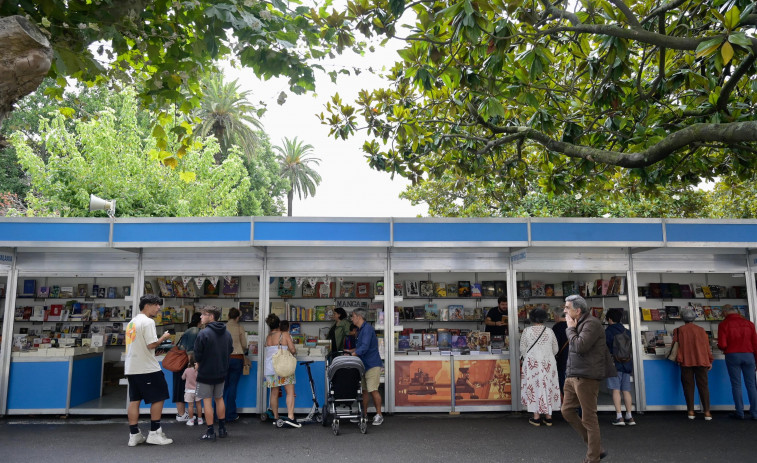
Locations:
(182, 418)
(378, 419)
(158, 438)
(200, 421)
(136, 439)
(191, 422)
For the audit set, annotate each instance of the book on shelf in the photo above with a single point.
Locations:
(398, 290)
(29, 288)
(524, 289)
(440, 289)
(419, 312)
(426, 289)
(81, 290)
(500, 288)
(431, 312)
(569, 288)
(444, 314)
(403, 342)
(363, 289)
(699, 311)
(165, 287)
(101, 292)
(665, 291)
(451, 289)
(148, 289)
(686, 290)
(380, 288)
(717, 313)
(646, 314)
(487, 289)
(463, 288)
(347, 289)
(248, 311)
(478, 313)
(598, 312)
(286, 287)
(549, 290)
(476, 290)
(179, 289)
(409, 313)
(459, 341)
(655, 290)
(443, 339)
(279, 308)
(308, 290)
(43, 292)
(469, 313)
(605, 287)
(673, 312)
(456, 312)
(537, 288)
(429, 340)
(112, 292)
(675, 291)
(325, 290)
(699, 291)
(230, 286)
(558, 290)
(416, 341)
(412, 288)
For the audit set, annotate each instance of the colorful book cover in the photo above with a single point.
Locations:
(398, 290)
(537, 289)
(230, 286)
(451, 289)
(308, 290)
(379, 288)
(440, 289)
(325, 290)
(549, 290)
(431, 312)
(443, 339)
(476, 290)
(487, 289)
(287, 287)
(500, 288)
(363, 289)
(463, 289)
(524, 289)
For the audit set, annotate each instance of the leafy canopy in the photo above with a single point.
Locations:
(619, 97)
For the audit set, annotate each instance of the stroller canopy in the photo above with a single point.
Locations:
(345, 362)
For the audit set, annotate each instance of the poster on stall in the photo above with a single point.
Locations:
(422, 383)
(482, 382)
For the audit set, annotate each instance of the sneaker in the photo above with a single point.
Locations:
(378, 419)
(292, 423)
(136, 439)
(182, 418)
(603, 454)
(630, 422)
(354, 420)
(192, 422)
(735, 416)
(200, 421)
(618, 422)
(534, 422)
(158, 438)
(209, 436)
(547, 422)
(222, 432)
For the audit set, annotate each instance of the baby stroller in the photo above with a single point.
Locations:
(344, 390)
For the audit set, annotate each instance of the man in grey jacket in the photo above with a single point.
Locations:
(586, 368)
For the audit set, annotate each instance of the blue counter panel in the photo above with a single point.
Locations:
(38, 385)
(62, 232)
(715, 233)
(181, 232)
(322, 231)
(662, 384)
(247, 388)
(86, 380)
(304, 397)
(445, 231)
(636, 232)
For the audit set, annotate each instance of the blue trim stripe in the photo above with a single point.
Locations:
(181, 232)
(443, 231)
(636, 232)
(322, 231)
(61, 232)
(715, 233)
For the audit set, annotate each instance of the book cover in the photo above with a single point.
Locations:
(308, 290)
(230, 287)
(363, 289)
(456, 312)
(459, 341)
(698, 291)
(569, 288)
(165, 287)
(82, 290)
(500, 288)
(686, 291)
(55, 291)
(416, 341)
(347, 289)
(476, 290)
(44, 292)
(487, 289)
(524, 289)
(665, 290)
(409, 313)
(605, 287)
(127, 291)
(451, 289)
(419, 312)
(325, 290)
(469, 313)
(412, 289)
(673, 312)
(463, 289)
(286, 287)
(558, 290)
(699, 311)
(379, 288)
(537, 289)
(403, 343)
(549, 290)
(30, 288)
(443, 339)
(478, 313)
(111, 292)
(148, 289)
(717, 313)
(646, 314)
(707, 292)
(429, 340)
(655, 290)
(440, 289)
(66, 291)
(101, 292)
(427, 289)
(248, 311)
(398, 290)
(675, 290)
(279, 308)
(431, 312)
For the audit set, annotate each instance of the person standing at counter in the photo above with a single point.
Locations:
(695, 358)
(278, 339)
(540, 388)
(367, 350)
(562, 341)
(737, 338)
(340, 330)
(213, 347)
(187, 342)
(142, 370)
(495, 321)
(237, 362)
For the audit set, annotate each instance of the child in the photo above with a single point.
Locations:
(190, 376)
(351, 340)
(284, 326)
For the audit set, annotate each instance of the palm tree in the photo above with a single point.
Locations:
(294, 159)
(226, 114)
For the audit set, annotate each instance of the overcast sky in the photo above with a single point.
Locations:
(350, 188)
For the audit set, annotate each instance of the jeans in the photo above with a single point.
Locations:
(583, 392)
(738, 364)
(230, 388)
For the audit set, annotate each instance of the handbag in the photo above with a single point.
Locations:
(673, 354)
(284, 362)
(175, 360)
(245, 370)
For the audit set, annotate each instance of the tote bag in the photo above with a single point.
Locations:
(284, 362)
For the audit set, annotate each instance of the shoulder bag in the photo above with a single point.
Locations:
(673, 354)
(284, 362)
(522, 356)
(176, 359)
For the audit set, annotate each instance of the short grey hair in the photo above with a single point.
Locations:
(578, 302)
(360, 313)
(688, 314)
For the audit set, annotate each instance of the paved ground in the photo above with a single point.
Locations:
(494, 437)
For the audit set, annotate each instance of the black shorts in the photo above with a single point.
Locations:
(150, 387)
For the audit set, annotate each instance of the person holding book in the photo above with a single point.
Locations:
(277, 339)
(539, 385)
(142, 370)
(213, 347)
(561, 358)
(367, 350)
(587, 366)
(620, 384)
(737, 339)
(237, 362)
(496, 318)
(695, 359)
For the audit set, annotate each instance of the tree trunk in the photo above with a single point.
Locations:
(25, 58)
(290, 197)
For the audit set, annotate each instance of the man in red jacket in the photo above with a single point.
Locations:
(737, 339)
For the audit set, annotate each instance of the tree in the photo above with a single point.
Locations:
(628, 95)
(108, 155)
(226, 114)
(267, 186)
(295, 159)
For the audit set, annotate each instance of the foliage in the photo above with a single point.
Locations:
(267, 187)
(225, 113)
(631, 98)
(106, 155)
(295, 159)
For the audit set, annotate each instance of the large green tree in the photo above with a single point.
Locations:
(295, 159)
(619, 96)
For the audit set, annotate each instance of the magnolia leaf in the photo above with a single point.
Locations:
(68, 112)
(726, 52)
(732, 18)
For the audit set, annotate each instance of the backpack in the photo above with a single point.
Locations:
(621, 347)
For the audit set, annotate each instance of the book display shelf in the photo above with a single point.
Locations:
(444, 359)
(73, 327)
(661, 298)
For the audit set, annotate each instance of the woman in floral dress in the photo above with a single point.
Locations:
(539, 386)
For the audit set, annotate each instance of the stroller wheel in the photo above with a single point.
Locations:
(263, 417)
(335, 427)
(363, 425)
(324, 417)
(319, 418)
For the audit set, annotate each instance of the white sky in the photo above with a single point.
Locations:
(350, 188)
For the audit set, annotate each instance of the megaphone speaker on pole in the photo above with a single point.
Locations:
(99, 204)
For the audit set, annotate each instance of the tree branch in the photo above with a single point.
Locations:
(632, 21)
(662, 9)
(740, 72)
(639, 35)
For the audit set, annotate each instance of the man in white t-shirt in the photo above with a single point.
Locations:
(146, 380)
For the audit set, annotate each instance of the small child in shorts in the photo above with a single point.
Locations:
(190, 389)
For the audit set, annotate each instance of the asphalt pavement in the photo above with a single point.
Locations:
(407, 438)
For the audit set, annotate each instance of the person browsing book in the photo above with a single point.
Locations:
(539, 385)
(496, 318)
(187, 342)
(142, 370)
(237, 362)
(367, 350)
(695, 359)
(737, 339)
(620, 384)
(279, 338)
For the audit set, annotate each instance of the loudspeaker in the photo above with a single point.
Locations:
(99, 204)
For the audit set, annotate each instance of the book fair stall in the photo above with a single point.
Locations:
(69, 287)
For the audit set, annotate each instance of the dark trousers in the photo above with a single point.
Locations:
(688, 376)
(230, 388)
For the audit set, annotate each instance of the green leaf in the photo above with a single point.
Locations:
(732, 18)
(67, 112)
(708, 47)
(740, 38)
